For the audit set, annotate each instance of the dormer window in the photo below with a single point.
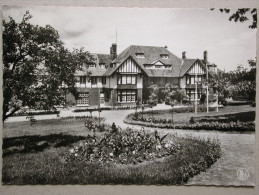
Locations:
(164, 56)
(102, 65)
(140, 55)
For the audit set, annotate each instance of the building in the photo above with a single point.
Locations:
(116, 80)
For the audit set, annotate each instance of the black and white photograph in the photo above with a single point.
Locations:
(130, 96)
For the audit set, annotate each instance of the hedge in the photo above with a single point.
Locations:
(231, 126)
(37, 113)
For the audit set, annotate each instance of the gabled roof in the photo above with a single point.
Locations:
(187, 64)
(117, 65)
(104, 58)
(151, 54)
(96, 71)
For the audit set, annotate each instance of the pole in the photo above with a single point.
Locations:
(207, 87)
(196, 93)
(217, 108)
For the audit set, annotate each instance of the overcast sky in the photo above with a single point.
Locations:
(192, 30)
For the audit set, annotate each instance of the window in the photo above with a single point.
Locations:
(158, 66)
(127, 79)
(82, 80)
(190, 79)
(93, 80)
(83, 98)
(191, 93)
(140, 55)
(102, 65)
(92, 65)
(126, 96)
(103, 80)
(164, 56)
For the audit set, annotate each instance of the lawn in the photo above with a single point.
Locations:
(38, 155)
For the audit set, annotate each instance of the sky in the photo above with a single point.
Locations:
(228, 44)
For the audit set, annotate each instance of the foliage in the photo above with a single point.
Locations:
(71, 118)
(218, 126)
(173, 94)
(203, 98)
(38, 70)
(49, 167)
(241, 15)
(123, 147)
(220, 83)
(152, 98)
(243, 81)
(45, 112)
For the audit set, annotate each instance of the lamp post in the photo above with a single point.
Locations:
(196, 92)
(207, 75)
(217, 108)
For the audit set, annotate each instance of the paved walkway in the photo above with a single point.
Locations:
(238, 149)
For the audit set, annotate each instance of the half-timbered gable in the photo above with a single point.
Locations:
(129, 66)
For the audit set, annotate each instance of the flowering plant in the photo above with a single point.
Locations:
(123, 147)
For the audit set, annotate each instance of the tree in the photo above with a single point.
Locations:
(241, 15)
(220, 83)
(152, 98)
(173, 95)
(244, 81)
(38, 70)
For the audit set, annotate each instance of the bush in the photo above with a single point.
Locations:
(37, 113)
(69, 118)
(203, 98)
(167, 123)
(107, 108)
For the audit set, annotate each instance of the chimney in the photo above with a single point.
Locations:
(205, 56)
(113, 51)
(183, 55)
(166, 47)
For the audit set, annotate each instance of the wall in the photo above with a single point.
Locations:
(139, 81)
(182, 82)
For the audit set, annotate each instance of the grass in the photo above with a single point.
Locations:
(36, 156)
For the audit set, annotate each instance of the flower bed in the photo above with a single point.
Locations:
(182, 110)
(37, 113)
(123, 147)
(70, 118)
(108, 108)
(180, 158)
(167, 123)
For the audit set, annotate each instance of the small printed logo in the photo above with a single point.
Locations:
(242, 174)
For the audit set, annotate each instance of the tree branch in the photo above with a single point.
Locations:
(10, 114)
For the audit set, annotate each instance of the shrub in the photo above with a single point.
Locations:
(37, 113)
(203, 98)
(69, 118)
(167, 123)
